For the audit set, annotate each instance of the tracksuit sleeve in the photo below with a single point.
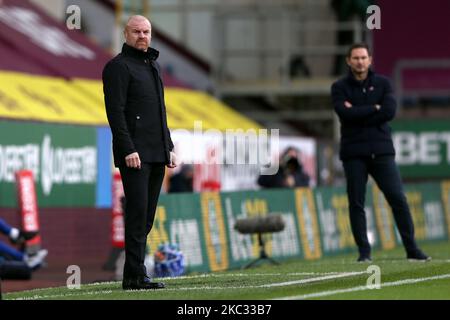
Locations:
(388, 107)
(349, 115)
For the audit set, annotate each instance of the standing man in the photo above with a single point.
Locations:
(142, 147)
(365, 104)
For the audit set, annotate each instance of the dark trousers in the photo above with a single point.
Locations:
(142, 188)
(386, 175)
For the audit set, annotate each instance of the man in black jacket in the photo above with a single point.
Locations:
(142, 147)
(365, 104)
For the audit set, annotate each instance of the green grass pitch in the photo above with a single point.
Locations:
(338, 277)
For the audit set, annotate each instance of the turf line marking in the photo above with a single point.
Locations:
(60, 287)
(270, 285)
(54, 296)
(308, 280)
(208, 275)
(276, 284)
(221, 275)
(361, 288)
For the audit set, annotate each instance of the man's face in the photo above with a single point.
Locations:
(138, 34)
(359, 61)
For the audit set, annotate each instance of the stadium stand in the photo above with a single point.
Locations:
(52, 77)
(247, 64)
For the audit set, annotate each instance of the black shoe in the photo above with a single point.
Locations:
(364, 259)
(417, 255)
(24, 236)
(141, 284)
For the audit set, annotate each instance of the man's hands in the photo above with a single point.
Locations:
(347, 104)
(133, 161)
(173, 162)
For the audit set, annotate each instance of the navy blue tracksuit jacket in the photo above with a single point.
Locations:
(364, 129)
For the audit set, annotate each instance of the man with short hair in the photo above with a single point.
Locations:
(142, 146)
(364, 103)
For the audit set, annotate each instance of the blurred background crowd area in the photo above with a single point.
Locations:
(253, 64)
(235, 64)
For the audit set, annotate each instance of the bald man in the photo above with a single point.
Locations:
(142, 147)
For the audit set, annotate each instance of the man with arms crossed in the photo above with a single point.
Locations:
(364, 103)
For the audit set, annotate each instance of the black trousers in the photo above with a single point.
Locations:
(142, 188)
(387, 176)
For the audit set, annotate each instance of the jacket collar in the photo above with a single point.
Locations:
(352, 78)
(151, 54)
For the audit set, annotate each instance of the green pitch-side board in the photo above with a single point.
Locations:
(422, 148)
(63, 159)
(316, 223)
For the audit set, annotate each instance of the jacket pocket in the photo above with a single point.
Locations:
(137, 124)
(133, 126)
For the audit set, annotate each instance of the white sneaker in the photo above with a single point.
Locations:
(36, 260)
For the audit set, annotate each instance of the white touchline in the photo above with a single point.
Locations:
(269, 285)
(288, 283)
(361, 288)
(63, 295)
(248, 275)
(206, 275)
(276, 284)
